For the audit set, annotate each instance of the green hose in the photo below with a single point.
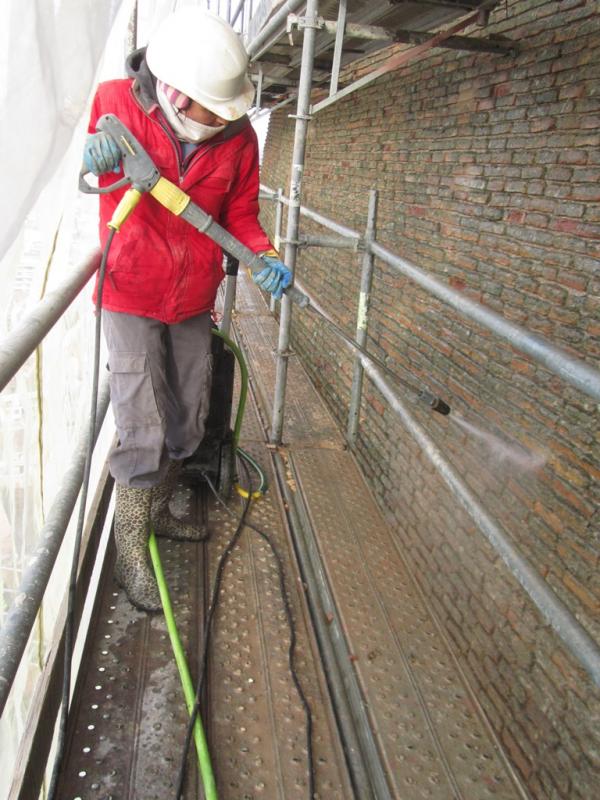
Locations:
(204, 763)
(257, 468)
(205, 766)
(240, 414)
(243, 383)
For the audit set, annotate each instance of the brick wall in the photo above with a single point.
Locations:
(488, 173)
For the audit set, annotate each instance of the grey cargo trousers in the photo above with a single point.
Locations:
(160, 379)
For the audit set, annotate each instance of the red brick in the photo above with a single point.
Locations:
(566, 225)
(542, 124)
(576, 282)
(582, 594)
(517, 755)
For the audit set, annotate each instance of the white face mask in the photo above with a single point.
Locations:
(183, 127)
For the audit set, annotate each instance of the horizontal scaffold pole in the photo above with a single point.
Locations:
(22, 341)
(564, 623)
(21, 616)
(573, 370)
(276, 26)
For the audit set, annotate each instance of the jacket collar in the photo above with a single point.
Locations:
(144, 88)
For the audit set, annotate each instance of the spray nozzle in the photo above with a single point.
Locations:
(435, 403)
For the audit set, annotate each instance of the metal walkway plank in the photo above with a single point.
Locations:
(128, 722)
(125, 728)
(258, 724)
(433, 740)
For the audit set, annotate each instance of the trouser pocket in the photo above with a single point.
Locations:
(139, 423)
(131, 391)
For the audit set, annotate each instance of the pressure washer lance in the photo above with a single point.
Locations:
(143, 175)
(420, 395)
(141, 172)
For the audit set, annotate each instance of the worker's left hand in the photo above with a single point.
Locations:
(275, 277)
(101, 154)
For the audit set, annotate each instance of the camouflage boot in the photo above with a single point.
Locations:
(133, 570)
(163, 522)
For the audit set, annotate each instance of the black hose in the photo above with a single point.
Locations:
(206, 639)
(292, 646)
(291, 627)
(70, 619)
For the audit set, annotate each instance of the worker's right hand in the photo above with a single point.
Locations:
(275, 277)
(101, 154)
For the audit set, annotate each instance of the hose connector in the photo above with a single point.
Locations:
(126, 205)
(435, 403)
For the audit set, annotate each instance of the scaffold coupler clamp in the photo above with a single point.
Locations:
(299, 23)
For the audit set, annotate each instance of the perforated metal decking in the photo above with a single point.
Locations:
(129, 721)
(391, 715)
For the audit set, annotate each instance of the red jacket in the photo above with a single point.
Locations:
(160, 266)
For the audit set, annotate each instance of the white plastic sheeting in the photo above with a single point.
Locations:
(49, 54)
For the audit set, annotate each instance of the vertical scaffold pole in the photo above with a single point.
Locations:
(277, 238)
(362, 321)
(302, 119)
(132, 29)
(236, 13)
(338, 48)
(259, 83)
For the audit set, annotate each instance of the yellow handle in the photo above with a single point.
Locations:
(126, 205)
(170, 196)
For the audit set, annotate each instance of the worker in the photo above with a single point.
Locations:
(185, 100)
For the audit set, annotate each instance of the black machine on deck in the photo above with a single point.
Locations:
(215, 456)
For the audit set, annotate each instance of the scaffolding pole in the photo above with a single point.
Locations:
(291, 249)
(362, 321)
(275, 28)
(564, 623)
(575, 637)
(571, 369)
(277, 238)
(338, 48)
(20, 342)
(236, 13)
(21, 616)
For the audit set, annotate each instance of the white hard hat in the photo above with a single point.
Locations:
(201, 55)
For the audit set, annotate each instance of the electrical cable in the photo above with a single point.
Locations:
(289, 618)
(263, 486)
(206, 639)
(70, 618)
(292, 629)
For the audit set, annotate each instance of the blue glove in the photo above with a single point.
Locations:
(275, 277)
(101, 154)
